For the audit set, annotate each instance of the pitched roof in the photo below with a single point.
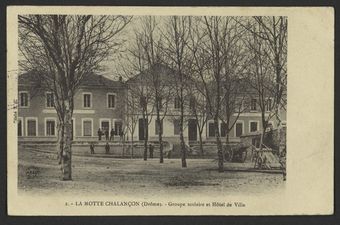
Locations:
(166, 74)
(91, 79)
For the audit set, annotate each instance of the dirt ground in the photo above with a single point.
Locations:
(39, 173)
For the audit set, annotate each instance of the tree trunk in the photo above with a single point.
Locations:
(161, 157)
(66, 159)
(146, 136)
(60, 143)
(183, 149)
(132, 145)
(219, 146)
(201, 143)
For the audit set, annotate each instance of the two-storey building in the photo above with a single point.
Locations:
(249, 121)
(97, 104)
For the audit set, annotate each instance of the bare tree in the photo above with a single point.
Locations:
(155, 76)
(267, 41)
(62, 49)
(234, 65)
(178, 57)
(198, 109)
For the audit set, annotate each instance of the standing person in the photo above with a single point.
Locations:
(151, 151)
(107, 134)
(107, 148)
(92, 148)
(112, 134)
(99, 134)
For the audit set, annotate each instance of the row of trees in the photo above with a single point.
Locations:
(210, 58)
(211, 61)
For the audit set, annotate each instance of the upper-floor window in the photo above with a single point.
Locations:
(111, 100)
(49, 99)
(239, 105)
(87, 100)
(269, 105)
(253, 105)
(192, 103)
(159, 102)
(23, 99)
(177, 103)
(142, 101)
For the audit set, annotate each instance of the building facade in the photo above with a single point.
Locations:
(101, 103)
(249, 121)
(97, 104)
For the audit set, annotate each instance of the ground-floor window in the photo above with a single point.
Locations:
(238, 129)
(224, 129)
(253, 126)
(176, 127)
(160, 127)
(32, 127)
(20, 127)
(118, 127)
(87, 127)
(211, 129)
(50, 127)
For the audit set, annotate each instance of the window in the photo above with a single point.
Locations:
(211, 127)
(223, 129)
(176, 127)
(239, 105)
(118, 127)
(49, 100)
(87, 127)
(192, 103)
(269, 105)
(87, 101)
(50, 127)
(253, 126)
(142, 101)
(158, 128)
(32, 127)
(19, 127)
(111, 101)
(177, 103)
(238, 129)
(160, 102)
(23, 99)
(253, 104)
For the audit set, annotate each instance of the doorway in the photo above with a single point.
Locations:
(141, 123)
(192, 129)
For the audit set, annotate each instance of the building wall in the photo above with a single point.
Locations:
(245, 118)
(99, 111)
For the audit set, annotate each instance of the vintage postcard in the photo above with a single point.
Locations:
(170, 110)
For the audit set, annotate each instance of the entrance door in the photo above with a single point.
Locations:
(141, 124)
(105, 126)
(192, 129)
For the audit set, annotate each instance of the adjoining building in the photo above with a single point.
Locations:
(97, 104)
(249, 121)
(102, 103)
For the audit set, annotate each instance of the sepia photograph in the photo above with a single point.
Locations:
(151, 106)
